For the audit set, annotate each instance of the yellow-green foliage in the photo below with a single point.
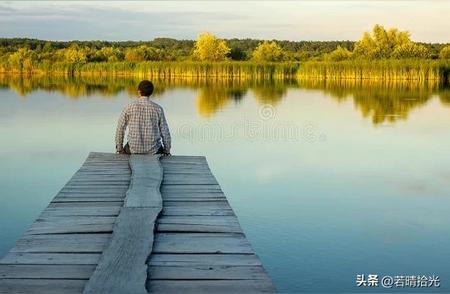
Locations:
(410, 50)
(268, 52)
(209, 48)
(109, 54)
(339, 54)
(389, 69)
(22, 60)
(445, 52)
(143, 53)
(381, 55)
(392, 43)
(75, 54)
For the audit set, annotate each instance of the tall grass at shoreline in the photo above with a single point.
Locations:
(389, 69)
(408, 69)
(161, 69)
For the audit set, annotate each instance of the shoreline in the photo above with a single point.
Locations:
(383, 70)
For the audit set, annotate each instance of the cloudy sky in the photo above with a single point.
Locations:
(294, 20)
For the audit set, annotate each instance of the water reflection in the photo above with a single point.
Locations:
(380, 102)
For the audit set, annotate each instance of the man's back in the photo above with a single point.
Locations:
(148, 131)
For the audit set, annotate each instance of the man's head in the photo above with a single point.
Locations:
(145, 88)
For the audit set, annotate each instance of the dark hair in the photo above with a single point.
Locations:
(146, 88)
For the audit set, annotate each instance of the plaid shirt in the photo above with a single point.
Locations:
(147, 127)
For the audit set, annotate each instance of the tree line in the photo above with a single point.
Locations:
(380, 43)
(391, 51)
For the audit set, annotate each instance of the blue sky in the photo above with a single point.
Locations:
(294, 20)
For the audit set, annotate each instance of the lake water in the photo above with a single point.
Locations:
(329, 180)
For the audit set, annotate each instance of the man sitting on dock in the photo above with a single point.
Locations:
(148, 132)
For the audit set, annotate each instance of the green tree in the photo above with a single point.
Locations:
(445, 52)
(411, 50)
(75, 54)
(237, 53)
(22, 59)
(339, 54)
(382, 43)
(144, 53)
(136, 54)
(209, 48)
(268, 52)
(109, 54)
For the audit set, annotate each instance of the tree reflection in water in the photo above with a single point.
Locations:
(379, 101)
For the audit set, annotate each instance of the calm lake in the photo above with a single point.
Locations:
(329, 180)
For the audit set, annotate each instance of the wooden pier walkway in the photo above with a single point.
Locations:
(136, 224)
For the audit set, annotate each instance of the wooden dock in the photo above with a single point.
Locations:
(136, 224)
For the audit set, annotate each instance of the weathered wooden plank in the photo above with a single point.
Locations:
(204, 259)
(201, 243)
(104, 165)
(206, 272)
(113, 180)
(188, 173)
(184, 159)
(97, 183)
(47, 286)
(33, 271)
(211, 220)
(62, 243)
(200, 204)
(168, 211)
(123, 180)
(210, 286)
(192, 198)
(97, 173)
(115, 160)
(51, 258)
(172, 170)
(199, 193)
(223, 224)
(94, 188)
(146, 178)
(121, 163)
(103, 169)
(167, 162)
(90, 196)
(178, 173)
(122, 267)
(87, 199)
(72, 224)
(108, 155)
(199, 179)
(189, 181)
(84, 204)
(82, 211)
(190, 188)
